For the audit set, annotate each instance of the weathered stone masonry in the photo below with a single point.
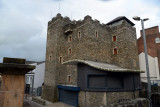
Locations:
(85, 44)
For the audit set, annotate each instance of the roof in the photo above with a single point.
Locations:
(120, 18)
(102, 66)
(30, 62)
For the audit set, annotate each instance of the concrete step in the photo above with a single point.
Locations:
(39, 100)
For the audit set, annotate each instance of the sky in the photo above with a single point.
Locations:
(23, 23)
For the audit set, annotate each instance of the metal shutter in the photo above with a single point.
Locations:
(69, 97)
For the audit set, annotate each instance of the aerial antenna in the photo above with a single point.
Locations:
(71, 15)
(59, 6)
(51, 14)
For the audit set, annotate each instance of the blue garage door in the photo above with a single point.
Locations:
(68, 96)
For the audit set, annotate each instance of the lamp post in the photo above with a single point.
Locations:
(146, 56)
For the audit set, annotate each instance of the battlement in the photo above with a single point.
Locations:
(74, 23)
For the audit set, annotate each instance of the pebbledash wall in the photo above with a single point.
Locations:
(86, 39)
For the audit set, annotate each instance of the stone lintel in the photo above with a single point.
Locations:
(15, 66)
(14, 60)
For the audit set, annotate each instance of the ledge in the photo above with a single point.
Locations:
(12, 68)
(68, 87)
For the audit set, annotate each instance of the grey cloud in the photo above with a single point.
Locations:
(105, 0)
(22, 35)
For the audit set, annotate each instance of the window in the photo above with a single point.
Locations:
(69, 38)
(114, 82)
(79, 34)
(105, 82)
(27, 79)
(96, 34)
(69, 51)
(96, 81)
(69, 78)
(114, 38)
(115, 51)
(31, 80)
(60, 59)
(50, 57)
(134, 63)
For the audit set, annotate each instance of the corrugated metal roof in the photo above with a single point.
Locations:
(102, 66)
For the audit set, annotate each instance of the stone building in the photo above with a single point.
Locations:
(153, 48)
(87, 45)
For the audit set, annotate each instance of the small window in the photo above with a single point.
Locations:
(69, 78)
(60, 59)
(69, 51)
(134, 63)
(79, 34)
(115, 51)
(50, 57)
(69, 38)
(96, 34)
(114, 38)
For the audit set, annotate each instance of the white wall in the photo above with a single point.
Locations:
(39, 75)
(153, 67)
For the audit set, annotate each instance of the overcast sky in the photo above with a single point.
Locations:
(23, 23)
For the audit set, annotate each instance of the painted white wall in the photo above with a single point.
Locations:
(39, 75)
(153, 67)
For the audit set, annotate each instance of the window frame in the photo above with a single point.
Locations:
(69, 51)
(69, 38)
(114, 39)
(60, 59)
(116, 51)
(96, 33)
(79, 34)
(50, 57)
(69, 78)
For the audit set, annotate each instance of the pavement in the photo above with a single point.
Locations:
(29, 103)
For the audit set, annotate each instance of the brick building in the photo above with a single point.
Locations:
(83, 56)
(153, 47)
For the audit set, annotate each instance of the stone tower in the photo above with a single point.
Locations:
(114, 42)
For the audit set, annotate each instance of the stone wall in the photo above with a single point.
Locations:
(88, 46)
(139, 102)
(97, 99)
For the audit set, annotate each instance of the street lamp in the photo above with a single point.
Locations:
(146, 55)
